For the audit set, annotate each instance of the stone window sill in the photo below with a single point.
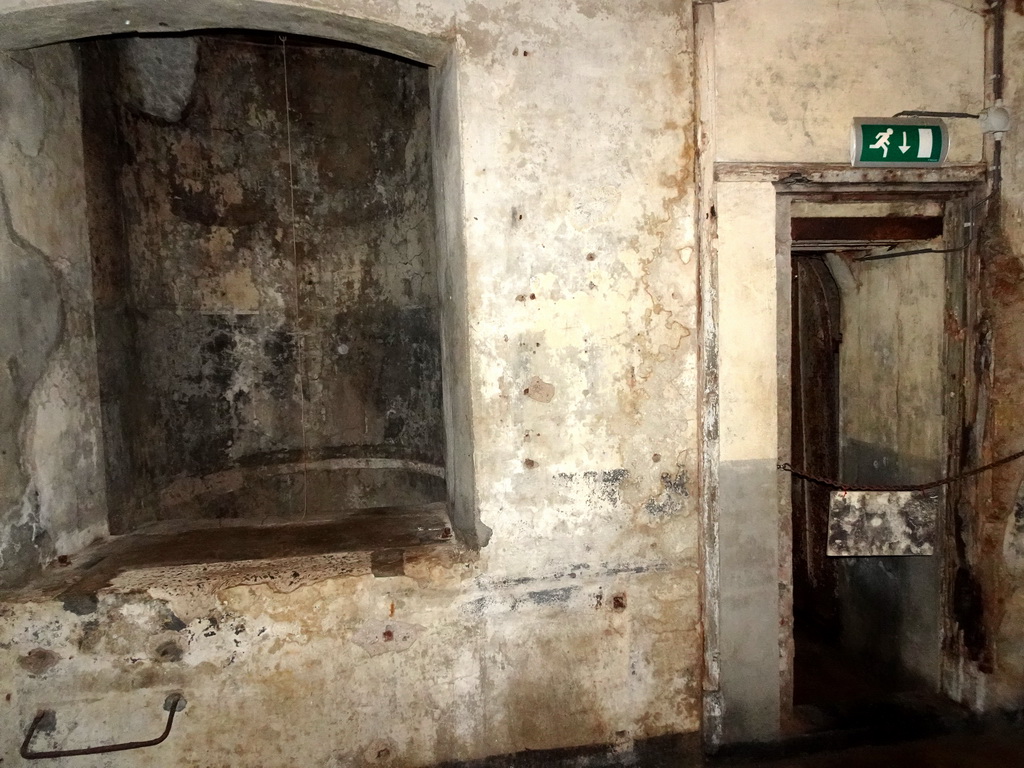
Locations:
(215, 554)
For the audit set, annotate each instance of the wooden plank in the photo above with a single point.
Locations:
(708, 462)
(867, 228)
(795, 174)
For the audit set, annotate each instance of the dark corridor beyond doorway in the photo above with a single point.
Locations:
(834, 688)
(828, 680)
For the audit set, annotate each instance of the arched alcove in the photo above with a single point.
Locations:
(346, 344)
(31, 24)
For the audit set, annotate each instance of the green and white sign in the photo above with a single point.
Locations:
(896, 142)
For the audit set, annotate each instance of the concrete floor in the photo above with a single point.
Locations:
(999, 745)
(1001, 749)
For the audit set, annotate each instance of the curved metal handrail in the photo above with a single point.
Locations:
(175, 702)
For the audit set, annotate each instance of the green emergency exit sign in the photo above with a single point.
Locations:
(893, 142)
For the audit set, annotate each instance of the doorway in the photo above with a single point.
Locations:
(873, 287)
(748, 515)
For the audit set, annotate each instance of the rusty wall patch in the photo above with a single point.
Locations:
(377, 637)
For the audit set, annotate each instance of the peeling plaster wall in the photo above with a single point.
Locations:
(791, 74)
(51, 484)
(587, 284)
(996, 554)
(579, 622)
(568, 229)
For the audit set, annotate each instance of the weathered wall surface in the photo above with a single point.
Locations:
(792, 74)
(51, 484)
(578, 623)
(566, 177)
(997, 554)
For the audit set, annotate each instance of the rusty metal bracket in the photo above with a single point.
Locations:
(47, 719)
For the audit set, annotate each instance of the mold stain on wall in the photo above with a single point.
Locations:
(266, 258)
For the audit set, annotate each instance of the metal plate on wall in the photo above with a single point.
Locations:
(882, 523)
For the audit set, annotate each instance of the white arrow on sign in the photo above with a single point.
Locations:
(904, 146)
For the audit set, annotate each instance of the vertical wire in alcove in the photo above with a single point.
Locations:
(300, 332)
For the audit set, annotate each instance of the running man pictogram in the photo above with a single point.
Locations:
(882, 141)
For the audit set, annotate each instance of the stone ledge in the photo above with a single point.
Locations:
(220, 554)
